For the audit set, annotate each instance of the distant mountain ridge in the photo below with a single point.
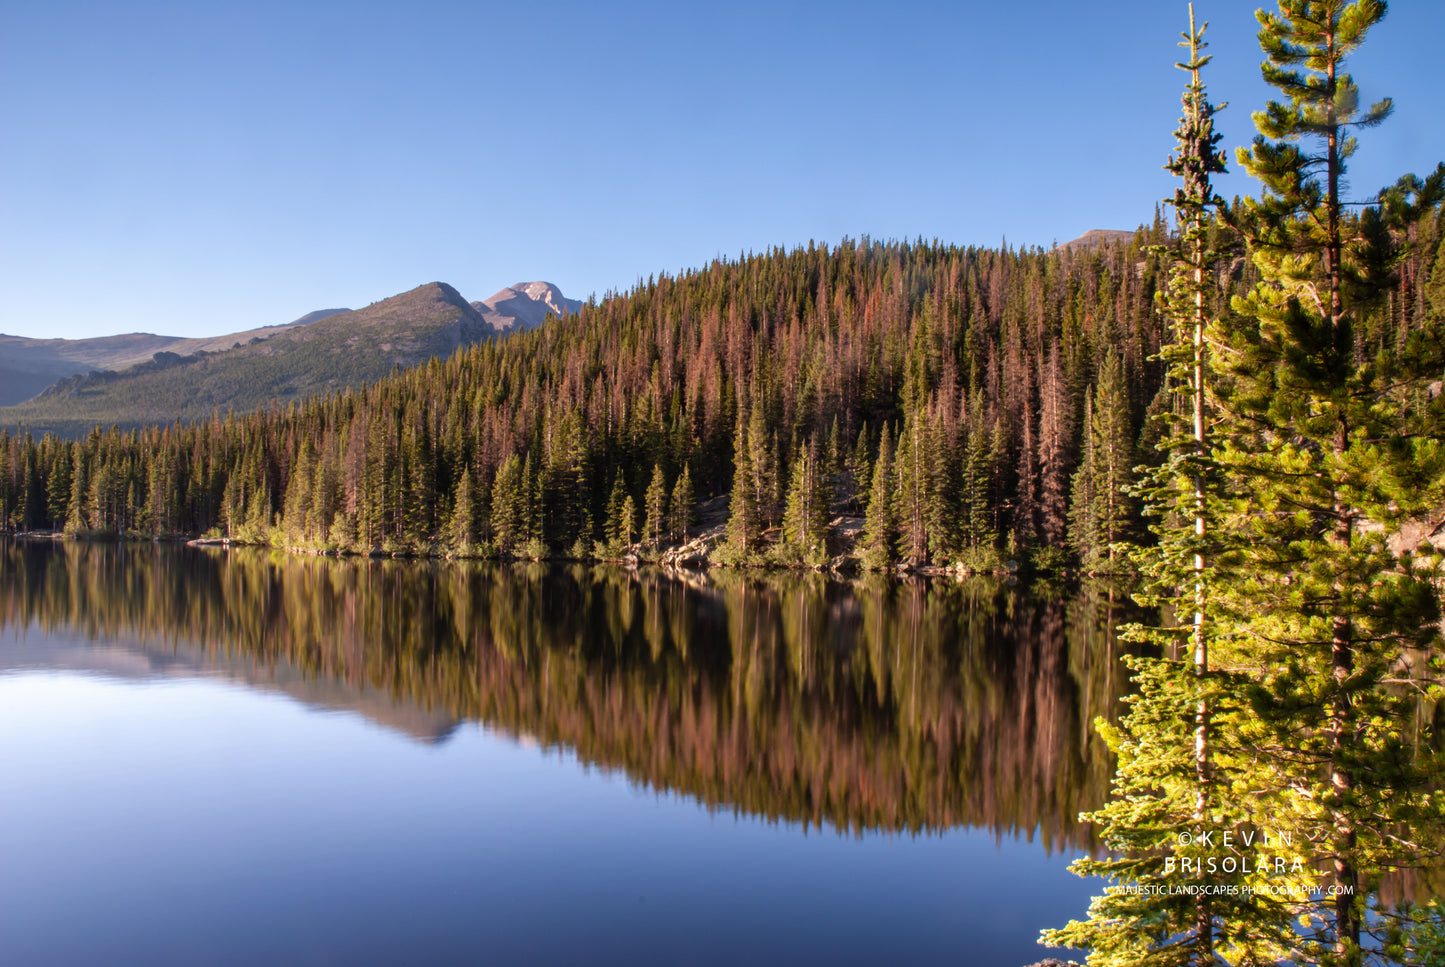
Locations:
(141, 379)
(28, 366)
(1097, 237)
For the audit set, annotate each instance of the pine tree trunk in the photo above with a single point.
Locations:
(1342, 657)
(1342, 714)
(1204, 918)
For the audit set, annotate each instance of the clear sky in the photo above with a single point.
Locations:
(196, 167)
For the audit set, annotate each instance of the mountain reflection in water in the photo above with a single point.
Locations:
(860, 706)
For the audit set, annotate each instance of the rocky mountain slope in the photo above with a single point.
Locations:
(28, 366)
(320, 353)
(152, 379)
(525, 305)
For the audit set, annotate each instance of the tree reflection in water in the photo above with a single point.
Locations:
(897, 706)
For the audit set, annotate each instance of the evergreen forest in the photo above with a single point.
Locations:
(974, 405)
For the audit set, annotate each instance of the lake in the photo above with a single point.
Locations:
(239, 756)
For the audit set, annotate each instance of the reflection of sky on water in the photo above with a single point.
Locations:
(193, 820)
(137, 659)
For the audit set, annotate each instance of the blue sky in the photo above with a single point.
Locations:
(197, 167)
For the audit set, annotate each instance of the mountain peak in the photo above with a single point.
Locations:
(448, 294)
(1098, 237)
(523, 306)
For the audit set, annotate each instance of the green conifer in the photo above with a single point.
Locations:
(1168, 771)
(1325, 447)
(463, 529)
(613, 529)
(805, 518)
(1112, 435)
(880, 528)
(508, 514)
(1083, 499)
(682, 507)
(744, 527)
(627, 522)
(654, 508)
(978, 537)
(911, 474)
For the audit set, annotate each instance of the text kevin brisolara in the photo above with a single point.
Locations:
(1233, 858)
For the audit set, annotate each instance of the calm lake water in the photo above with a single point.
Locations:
(240, 757)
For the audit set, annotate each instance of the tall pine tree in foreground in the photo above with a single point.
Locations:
(1166, 784)
(1328, 446)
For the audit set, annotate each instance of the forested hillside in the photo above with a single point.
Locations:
(975, 404)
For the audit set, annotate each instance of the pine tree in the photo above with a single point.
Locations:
(1434, 290)
(744, 527)
(763, 459)
(567, 481)
(257, 526)
(941, 490)
(1026, 503)
(1084, 497)
(1113, 443)
(324, 491)
(463, 529)
(682, 508)
(805, 517)
(880, 529)
(508, 513)
(58, 487)
(77, 512)
(833, 461)
(7, 483)
(654, 508)
(1056, 430)
(857, 470)
(627, 522)
(910, 473)
(533, 507)
(1325, 447)
(297, 505)
(232, 501)
(420, 490)
(978, 536)
(1166, 777)
(1177, 565)
(612, 527)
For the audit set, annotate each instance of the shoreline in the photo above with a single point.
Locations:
(696, 555)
